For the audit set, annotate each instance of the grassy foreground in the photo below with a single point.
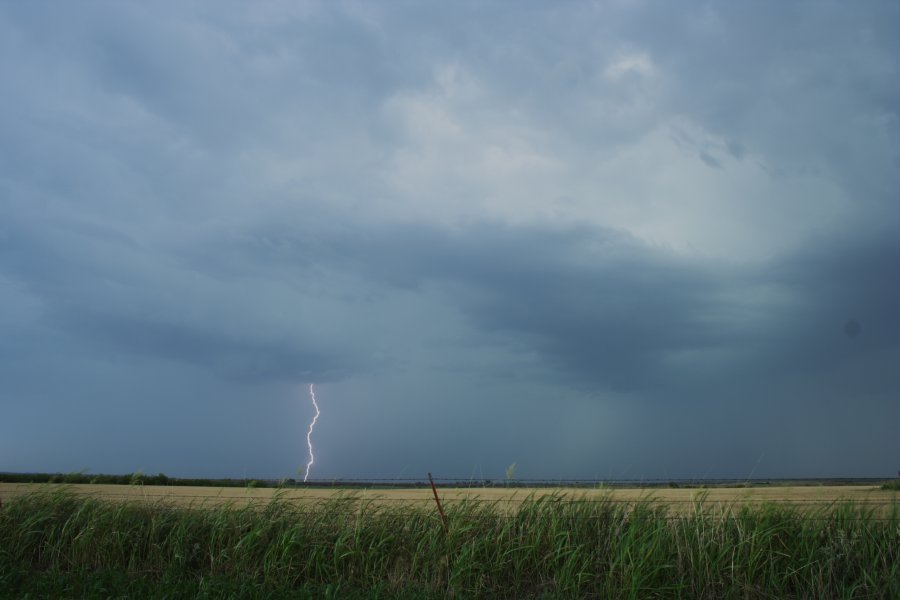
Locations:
(60, 545)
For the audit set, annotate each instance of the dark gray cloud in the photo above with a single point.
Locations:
(607, 239)
(597, 303)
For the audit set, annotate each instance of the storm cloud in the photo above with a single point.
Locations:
(605, 239)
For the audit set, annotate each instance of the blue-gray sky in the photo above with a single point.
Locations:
(597, 239)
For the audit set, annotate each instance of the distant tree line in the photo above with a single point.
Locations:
(136, 478)
(140, 478)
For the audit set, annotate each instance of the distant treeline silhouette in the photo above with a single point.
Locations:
(136, 478)
(140, 478)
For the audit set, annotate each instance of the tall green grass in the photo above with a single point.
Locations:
(63, 545)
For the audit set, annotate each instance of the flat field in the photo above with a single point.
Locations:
(678, 500)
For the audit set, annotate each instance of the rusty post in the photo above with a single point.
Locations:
(438, 502)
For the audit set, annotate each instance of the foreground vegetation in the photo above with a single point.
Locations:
(61, 545)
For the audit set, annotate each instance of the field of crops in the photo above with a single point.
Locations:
(677, 500)
(97, 541)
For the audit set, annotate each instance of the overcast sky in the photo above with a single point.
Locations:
(597, 239)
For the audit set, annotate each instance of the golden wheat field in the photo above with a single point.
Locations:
(678, 500)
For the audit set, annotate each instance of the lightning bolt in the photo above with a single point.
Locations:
(312, 395)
